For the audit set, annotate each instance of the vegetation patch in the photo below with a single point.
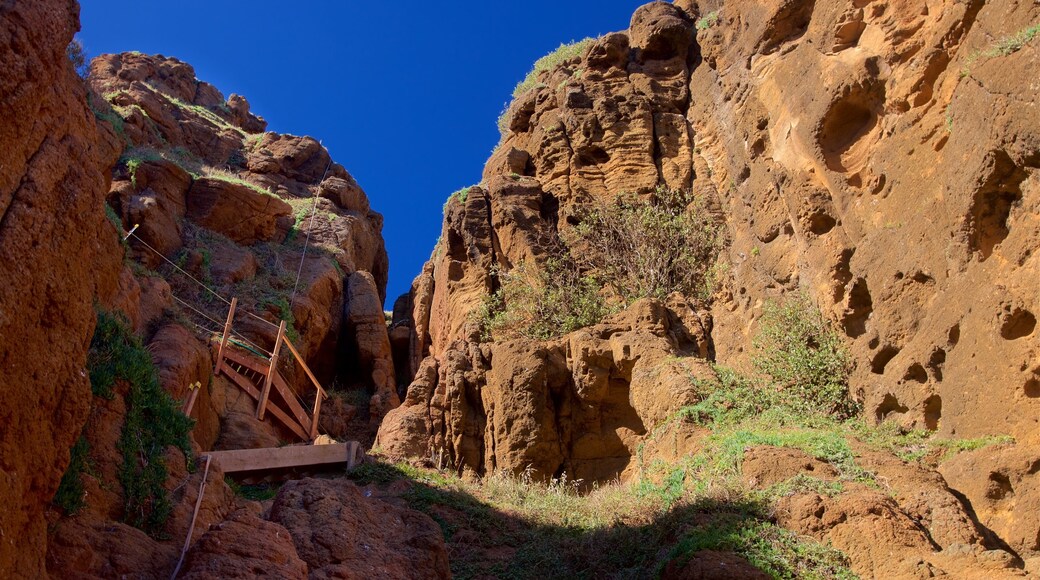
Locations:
(1005, 46)
(70, 496)
(564, 53)
(257, 492)
(708, 20)
(651, 247)
(153, 420)
(804, 357)
(542, 303)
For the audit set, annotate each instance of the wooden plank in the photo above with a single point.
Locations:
(290, 399)
(250, 362)
(242, 382)
(306, 369)
(190, 403)
(238, 460)
(316, 414)
(227, 334)
(288, 422)
(250, 389)
(261, 406)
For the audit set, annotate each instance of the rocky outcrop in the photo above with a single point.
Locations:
(366, 324)
(579, 405)
(58, 254)
(815, 180)
(340, 533)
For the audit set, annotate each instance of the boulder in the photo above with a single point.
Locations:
(237, 211)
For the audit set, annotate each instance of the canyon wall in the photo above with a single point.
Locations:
(878, 156)
(59, 255)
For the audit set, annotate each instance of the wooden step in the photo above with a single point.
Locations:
(251, 389)
(290, 456)
(290, 400)
(250, 362)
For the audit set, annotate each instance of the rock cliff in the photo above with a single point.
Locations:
(878, 157)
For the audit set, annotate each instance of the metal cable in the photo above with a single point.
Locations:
(208, 289)
(310, 228)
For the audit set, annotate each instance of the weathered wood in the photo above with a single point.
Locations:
(316, 414)
(261, 406)
(190, 403)
(306, 369)
(239, 460)
(226, 336)
(289, 397)
(243, 383)
(250, 362)
(251, 390)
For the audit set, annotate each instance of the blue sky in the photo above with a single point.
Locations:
(404, 94)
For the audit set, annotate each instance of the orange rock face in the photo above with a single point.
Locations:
(873, 157)
(57, 254)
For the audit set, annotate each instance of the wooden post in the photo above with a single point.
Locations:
(227, 334)
(190, 403)
(261, 405)
(318, 396)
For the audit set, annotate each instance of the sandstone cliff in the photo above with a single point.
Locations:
(878, 156)
(59, 254)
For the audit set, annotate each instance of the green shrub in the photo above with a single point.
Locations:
(804, 357)
(460, 196)
(1002, 47)
(767, 546)
(70, 496)
(78, 57)
(555, 58)
(542, 303)
(708, 20)
(153, 420)
(667, 243)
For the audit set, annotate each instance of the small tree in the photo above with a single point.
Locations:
(542, 303)
(78, 57)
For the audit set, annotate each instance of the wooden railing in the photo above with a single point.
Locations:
(251, 370)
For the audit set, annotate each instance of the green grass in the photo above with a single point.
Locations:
(802, 353)
(772, 549)
(153, 420)
(552, 530)
(459, 196)
(1004, 46)
(564, 53)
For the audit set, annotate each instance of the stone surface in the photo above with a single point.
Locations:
(340, 533)
(58, 254)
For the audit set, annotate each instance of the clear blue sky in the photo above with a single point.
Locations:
(404, 94)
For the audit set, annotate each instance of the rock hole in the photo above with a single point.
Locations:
(858, 309)
(821, 223)
(788, 24)
(1032, 388)
(1018, 324)
(890, 404)
(932, 412)
(999, 486)
(991, 205)
(954, 335)
(882, 358)
(847, 122)
(549, 209)
(936, 362)
(1035, 467)
(591, 156)
(916, 373)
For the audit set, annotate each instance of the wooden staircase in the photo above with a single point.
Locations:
(258, 376)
